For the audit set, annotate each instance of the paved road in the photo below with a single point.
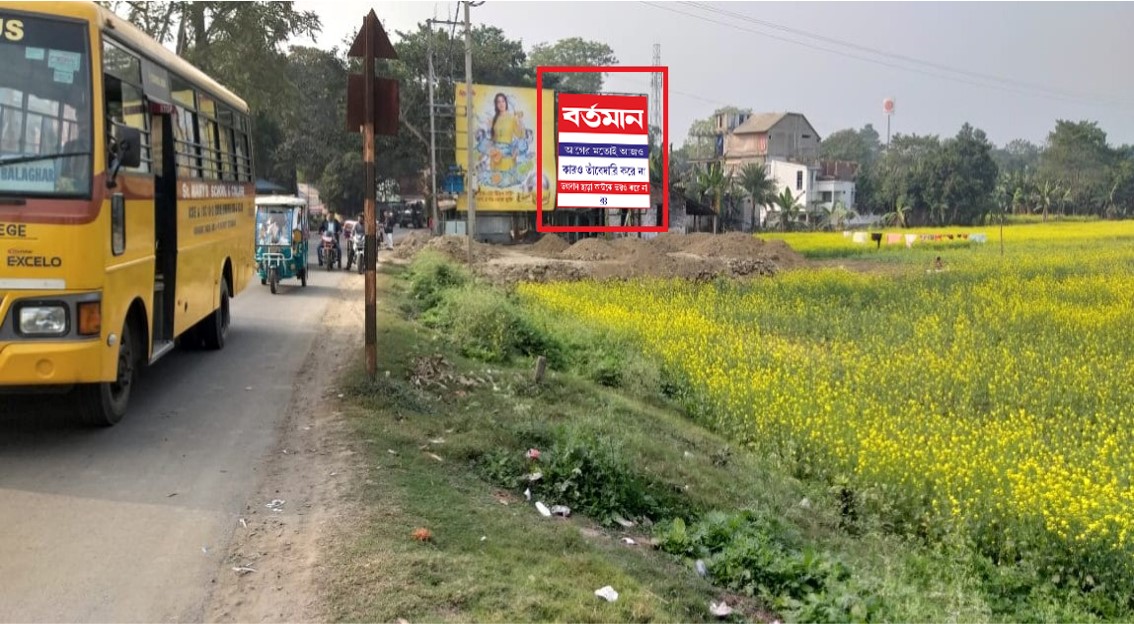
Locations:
(131, 523)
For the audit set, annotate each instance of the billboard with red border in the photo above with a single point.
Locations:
(623, 180)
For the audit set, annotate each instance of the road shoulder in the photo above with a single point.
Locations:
(276, 566)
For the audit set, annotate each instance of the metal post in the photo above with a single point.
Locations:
(433, 138)
(371, 312)
(471, 132)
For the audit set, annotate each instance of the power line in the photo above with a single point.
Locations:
(902, 57)
(734, 26)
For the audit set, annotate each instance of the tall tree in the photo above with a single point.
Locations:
(497, 60)
(907, 176)
(860, 146)
(342, 185)
(317, 120)
(1078, 158)
(240, 45)
(968, 177)
(1017, 155)
(577, 52)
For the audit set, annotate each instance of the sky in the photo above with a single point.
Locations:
(1008, 68)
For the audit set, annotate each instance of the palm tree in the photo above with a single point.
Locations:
(1047, 196)
(832, 217)
(788, 206)
(713, 181)
(898, 216)
(760, 188)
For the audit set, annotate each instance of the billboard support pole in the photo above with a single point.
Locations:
(435, 213)
(469, 131)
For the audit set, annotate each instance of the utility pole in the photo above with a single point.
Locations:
(470, 131)
(436, 214)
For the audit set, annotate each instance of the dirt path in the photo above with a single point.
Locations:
(311, 471)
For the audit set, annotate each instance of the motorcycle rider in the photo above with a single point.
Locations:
(333, 227)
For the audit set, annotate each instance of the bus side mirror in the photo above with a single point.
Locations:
(126, 151)
(129, 142)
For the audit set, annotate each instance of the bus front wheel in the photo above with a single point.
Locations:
(104, 404)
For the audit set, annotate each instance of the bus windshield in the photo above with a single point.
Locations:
(45, 107)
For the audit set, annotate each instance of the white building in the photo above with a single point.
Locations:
(816, 187)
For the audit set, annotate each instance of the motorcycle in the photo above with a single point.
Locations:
(330, 253)
(358, 249)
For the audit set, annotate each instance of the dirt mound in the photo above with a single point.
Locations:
(549, 245)
(408, 245)
(736, 245)
(647, 262)
(592, 249)
(782, 254)
(507, 274)
(730, 245)
(457, 248)
(697, 257)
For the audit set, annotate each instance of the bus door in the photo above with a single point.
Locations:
(165, 228)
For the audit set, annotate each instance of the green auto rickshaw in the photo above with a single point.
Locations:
(281, 239)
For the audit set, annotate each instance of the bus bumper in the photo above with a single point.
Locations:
(38, 363)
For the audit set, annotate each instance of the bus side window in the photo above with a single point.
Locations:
(125, 105)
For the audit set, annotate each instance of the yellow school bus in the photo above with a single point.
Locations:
(126, 204)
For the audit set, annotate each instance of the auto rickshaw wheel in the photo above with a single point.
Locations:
(303, 278)
(273, 279)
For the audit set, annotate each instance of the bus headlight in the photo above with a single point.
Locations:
(43, 320)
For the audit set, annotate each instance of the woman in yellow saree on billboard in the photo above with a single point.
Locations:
(503, 136)
(507, 145)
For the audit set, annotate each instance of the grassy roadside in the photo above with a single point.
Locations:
(446, 433)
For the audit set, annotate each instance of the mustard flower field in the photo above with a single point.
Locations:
(991, 401)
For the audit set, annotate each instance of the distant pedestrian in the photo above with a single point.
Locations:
(388, 228)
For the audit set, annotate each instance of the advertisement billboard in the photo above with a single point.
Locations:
(504, 147)
(604, 152)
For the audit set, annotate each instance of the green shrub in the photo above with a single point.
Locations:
(758, 555)
(490, 327)
(430, 275)
(588, 472)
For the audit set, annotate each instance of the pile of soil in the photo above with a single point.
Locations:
(408, 245)
(591, 249)
(551, 245)
(506, 274)
(697, 257)
(740, 246)
(457, 248)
